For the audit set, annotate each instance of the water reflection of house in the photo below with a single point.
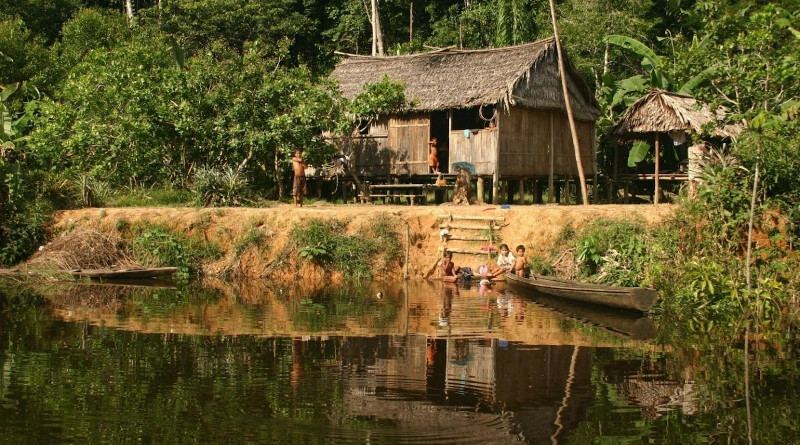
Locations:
(645, 384)
(541, 389)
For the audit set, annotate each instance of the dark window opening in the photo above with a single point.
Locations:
(475, 118)
(363, 127)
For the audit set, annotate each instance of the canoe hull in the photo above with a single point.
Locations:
(632, 298)
(124, 273)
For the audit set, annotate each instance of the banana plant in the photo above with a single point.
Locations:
(11, 127)
(629, 90)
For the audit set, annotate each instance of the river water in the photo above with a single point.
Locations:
(415, 363)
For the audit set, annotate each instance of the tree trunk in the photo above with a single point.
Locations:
(377, 36)
(568, 105)
(277, 174)
(129, 10)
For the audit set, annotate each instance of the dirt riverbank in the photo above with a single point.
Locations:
(533, 226)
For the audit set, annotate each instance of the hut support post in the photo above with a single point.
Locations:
(567, 190)
(612, 187)
(550, 182)
(522, 191)
(495, 187)
(535, 192)
(480, 190)
(657, 191)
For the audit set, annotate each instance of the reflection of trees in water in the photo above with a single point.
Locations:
(72, 373)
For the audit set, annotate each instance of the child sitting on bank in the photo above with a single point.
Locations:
(505, 263)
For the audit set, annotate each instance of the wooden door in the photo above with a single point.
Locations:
(408, 139)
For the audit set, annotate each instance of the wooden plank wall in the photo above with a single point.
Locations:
(565, 153)
(524, 142)
(478, 150)
(408, 137)
(371, 153)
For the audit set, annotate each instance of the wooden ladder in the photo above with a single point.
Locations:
(472, 229)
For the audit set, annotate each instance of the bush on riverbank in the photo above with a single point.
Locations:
(374, 249)
(698, 259)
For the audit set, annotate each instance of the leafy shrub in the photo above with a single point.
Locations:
(613, 252)
(157, 247)
(539, 265)
(227, 187)
(22, 230)
(327, 244)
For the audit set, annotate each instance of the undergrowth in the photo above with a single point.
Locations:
(325, 242)
(159, 246)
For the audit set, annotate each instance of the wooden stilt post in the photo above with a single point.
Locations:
(495, 188)
(535, 192)
(615, 175)
(567, 190)
(521, 191)
(657, 192)
(481, 196)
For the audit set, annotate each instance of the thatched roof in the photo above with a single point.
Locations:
(662, 112)
(524, 75)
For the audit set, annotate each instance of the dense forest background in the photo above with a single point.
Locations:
(175, 97)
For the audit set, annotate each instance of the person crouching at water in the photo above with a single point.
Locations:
(449, 269)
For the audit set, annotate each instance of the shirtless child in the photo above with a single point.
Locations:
(449, 269)
(299, 183)
(433, 157)
(521, 264)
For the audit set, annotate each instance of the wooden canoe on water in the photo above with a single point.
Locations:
(633, 298)
(151, 272)
(125, 274)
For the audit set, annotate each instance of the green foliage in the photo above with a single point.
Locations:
(159, 247)
(220, 187)
(23, 228)
(378, 98)
(22, 54)
(638, 153)
(253, 237)
(146, 197)
(613, 252)
(539, 265)
(357, 256)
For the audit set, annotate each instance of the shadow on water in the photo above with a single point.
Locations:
(413, 362)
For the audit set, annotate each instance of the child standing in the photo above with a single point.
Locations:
(521, 263)
(299, 187)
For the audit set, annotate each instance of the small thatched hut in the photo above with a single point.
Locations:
(500, 109)
(663, 112)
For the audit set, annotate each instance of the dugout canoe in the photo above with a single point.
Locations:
(632, 298)
(150, 272)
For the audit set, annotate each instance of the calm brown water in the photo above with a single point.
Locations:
(421, 363)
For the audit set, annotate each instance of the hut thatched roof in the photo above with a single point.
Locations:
(524, 75)
(662, 112)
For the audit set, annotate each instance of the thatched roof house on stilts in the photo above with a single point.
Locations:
(677, 115)
(501, 110)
